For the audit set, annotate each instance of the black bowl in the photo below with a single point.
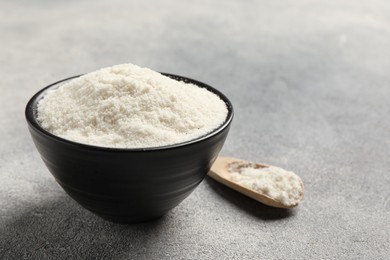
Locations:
(128, 185)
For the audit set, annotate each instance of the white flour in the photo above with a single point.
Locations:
(126, 106)
(275, 182)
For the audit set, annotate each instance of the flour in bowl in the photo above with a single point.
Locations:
(126, 106)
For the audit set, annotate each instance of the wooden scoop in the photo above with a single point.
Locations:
(220, 172)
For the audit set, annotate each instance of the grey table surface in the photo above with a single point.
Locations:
(310, 84)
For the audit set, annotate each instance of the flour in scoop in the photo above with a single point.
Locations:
(277, 183)
(126, 106)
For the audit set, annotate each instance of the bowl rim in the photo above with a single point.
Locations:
(31, 107)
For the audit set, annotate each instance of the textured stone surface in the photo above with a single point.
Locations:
(310, 84)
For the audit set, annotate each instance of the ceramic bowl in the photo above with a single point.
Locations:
(127, 185)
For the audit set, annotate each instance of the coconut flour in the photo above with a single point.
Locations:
(277, 183)
(126, 106)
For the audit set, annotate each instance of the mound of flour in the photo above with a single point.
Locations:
(277, 183)
(126, 106)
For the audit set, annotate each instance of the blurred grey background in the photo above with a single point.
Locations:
(309, 81)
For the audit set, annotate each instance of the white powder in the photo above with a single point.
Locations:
(126, 106)
(277, 183)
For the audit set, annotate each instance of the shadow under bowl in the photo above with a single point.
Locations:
(127, 185)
